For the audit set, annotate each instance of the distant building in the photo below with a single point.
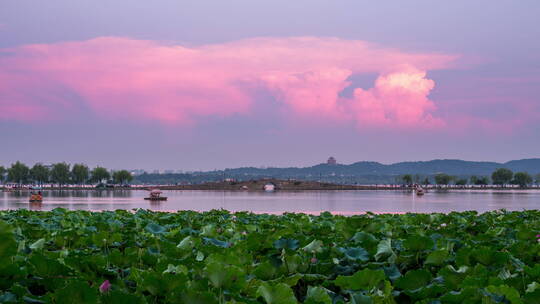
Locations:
(135, 172)
(270, 187)
(331, 161)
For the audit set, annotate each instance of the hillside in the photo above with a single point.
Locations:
(363, 172)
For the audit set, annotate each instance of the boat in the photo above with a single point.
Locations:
(419, 190)
(155, 195)
(36, 198)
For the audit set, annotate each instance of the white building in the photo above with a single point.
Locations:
(269, 187)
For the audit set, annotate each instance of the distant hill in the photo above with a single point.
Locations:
(530, 165)
(363, 172)
(448, 166)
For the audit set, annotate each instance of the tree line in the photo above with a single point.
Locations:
(501, 176)
(61, 174)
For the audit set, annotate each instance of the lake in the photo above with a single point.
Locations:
(314, 202)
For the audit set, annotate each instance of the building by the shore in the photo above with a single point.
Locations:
(269, 187)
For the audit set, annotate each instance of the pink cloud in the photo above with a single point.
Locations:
(397, 98)
(121, 78)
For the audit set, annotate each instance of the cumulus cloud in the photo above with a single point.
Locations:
(121, 78)
(397, 98)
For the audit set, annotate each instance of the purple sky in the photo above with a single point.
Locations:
(214, 84)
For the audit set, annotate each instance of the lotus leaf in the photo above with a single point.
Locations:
(318, 295)
(361, 280)
(64, 256)
(276, 294)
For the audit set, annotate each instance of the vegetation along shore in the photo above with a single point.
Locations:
(218, 257)
(81, 177)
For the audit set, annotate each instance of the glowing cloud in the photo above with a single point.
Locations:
(121, 78)
(399, 98)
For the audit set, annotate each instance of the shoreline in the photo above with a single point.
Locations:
(280, 185)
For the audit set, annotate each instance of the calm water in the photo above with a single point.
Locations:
(339, 202)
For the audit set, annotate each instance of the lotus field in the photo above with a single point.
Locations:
(218, 257)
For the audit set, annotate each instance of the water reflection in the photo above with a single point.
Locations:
(156, 205)
(35, 206)
(339, 202)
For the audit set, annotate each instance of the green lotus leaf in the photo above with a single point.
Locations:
(276, 294)
(392, 272)
(532, 287)
(120, 297)
(465, 295)
(76, 292)
(361, 280)
(418, 243)
(314, 247)
(37, 245)
(356, 254)
(317, 295)
(287, 244)
(430, 291)
(223, 276)
(314, 278)
(385, 251)
(8, 246)
(453, 277)
(484, 255)
(218, 243)
(8, 297)
(534, 271)
(151, 282)
(198, 297)
(199, 257)
(532, 297)
(231, 257)
(479, 277)
(437, 257)
(365, 240)
(489, 297)
(47, 253)
(291, 280)
(294, 263)
(32, 300)
(463, 257)
(209, 230)
(187, 243)
(176, 269)
(155, 228)
(46, 267)
(361, 298)
(509, 293)
(414, 279)
(265, 271)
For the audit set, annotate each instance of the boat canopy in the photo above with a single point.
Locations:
(155, 193)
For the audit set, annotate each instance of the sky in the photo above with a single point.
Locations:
(202, 85)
